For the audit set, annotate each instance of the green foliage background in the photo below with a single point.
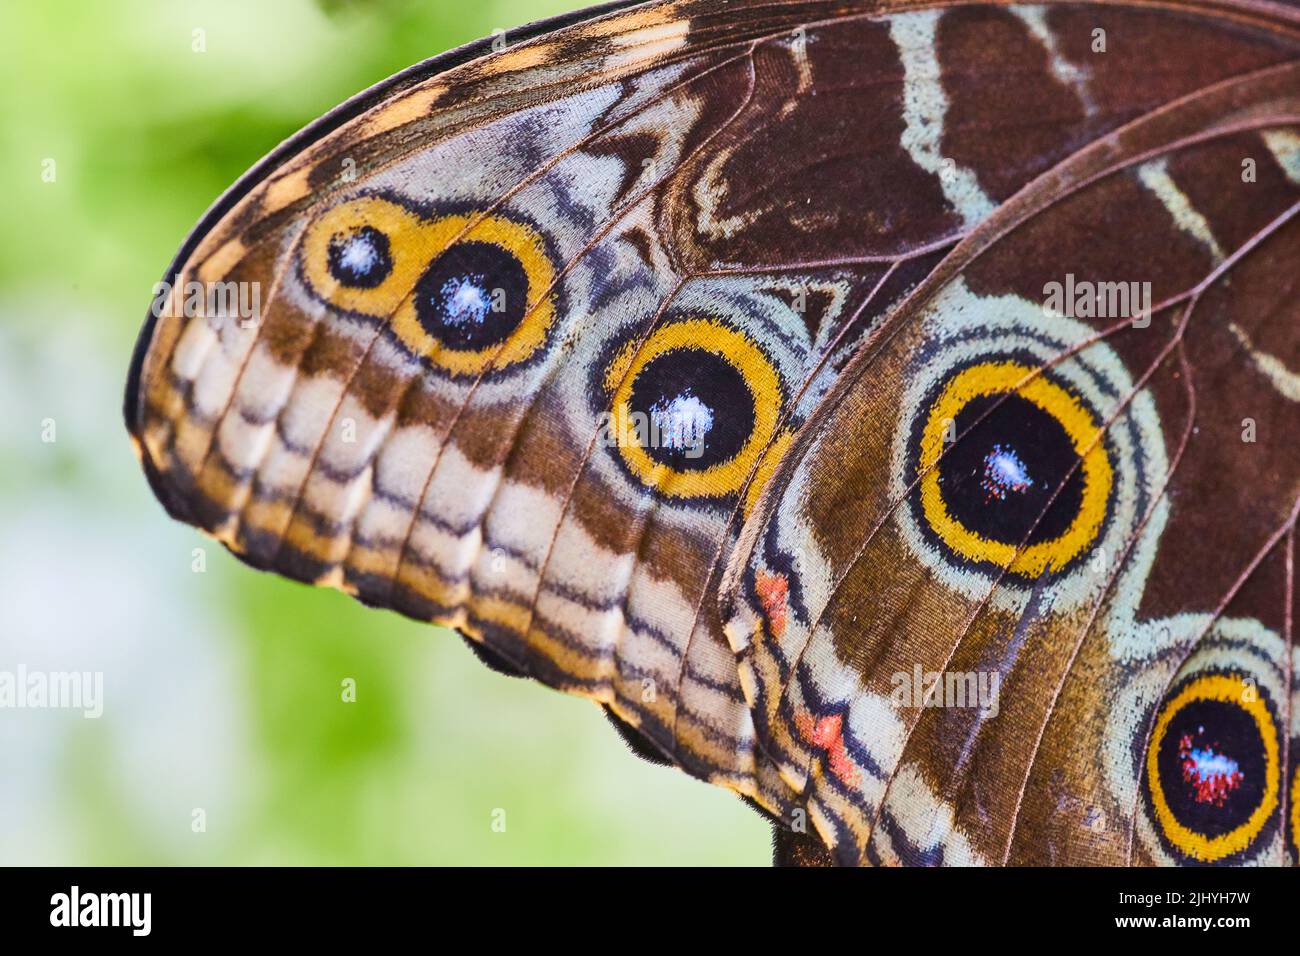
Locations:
(222, 688)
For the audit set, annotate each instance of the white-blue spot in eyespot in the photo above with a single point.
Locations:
(359, 255)
(464, 300)
(1205, 763)
(682, 423)
(1004, 472)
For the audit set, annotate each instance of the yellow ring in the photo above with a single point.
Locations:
(1295, 811)
(760, 377)
(994, 378)
(1231, 690)
(413, 244)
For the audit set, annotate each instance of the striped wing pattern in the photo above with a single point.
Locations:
(613, 351)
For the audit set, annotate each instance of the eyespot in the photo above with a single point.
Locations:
(485, 300)
(1212, 769)
(363, 256)
(980, 348)
(359, 258)
(694, 408)
(1010, 461)
(464, 292)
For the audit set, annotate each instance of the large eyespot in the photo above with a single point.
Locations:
(461, 291)
(1009, 459)
(694, 408)
(1212, 769)
(1001, 407)
(484, 301)
(472, 296)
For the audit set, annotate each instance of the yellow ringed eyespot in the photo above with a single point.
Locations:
(1013, 469)
(1212, 766)
(694, 408)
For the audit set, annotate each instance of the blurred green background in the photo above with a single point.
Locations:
(222, 689)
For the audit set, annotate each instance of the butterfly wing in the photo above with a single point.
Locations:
(532, 329)
(1022, 590)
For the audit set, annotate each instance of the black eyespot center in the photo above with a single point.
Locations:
(472, 296)
(1009, 461)
(360, 258)
(695, 406)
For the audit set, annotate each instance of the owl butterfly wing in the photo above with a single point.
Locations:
(461, 283)
(532, 329)
(1023, 588)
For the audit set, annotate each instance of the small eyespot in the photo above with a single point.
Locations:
(1212, 769)
(359, 258)
(362, 256)
(1013, 469)
(694, 408)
